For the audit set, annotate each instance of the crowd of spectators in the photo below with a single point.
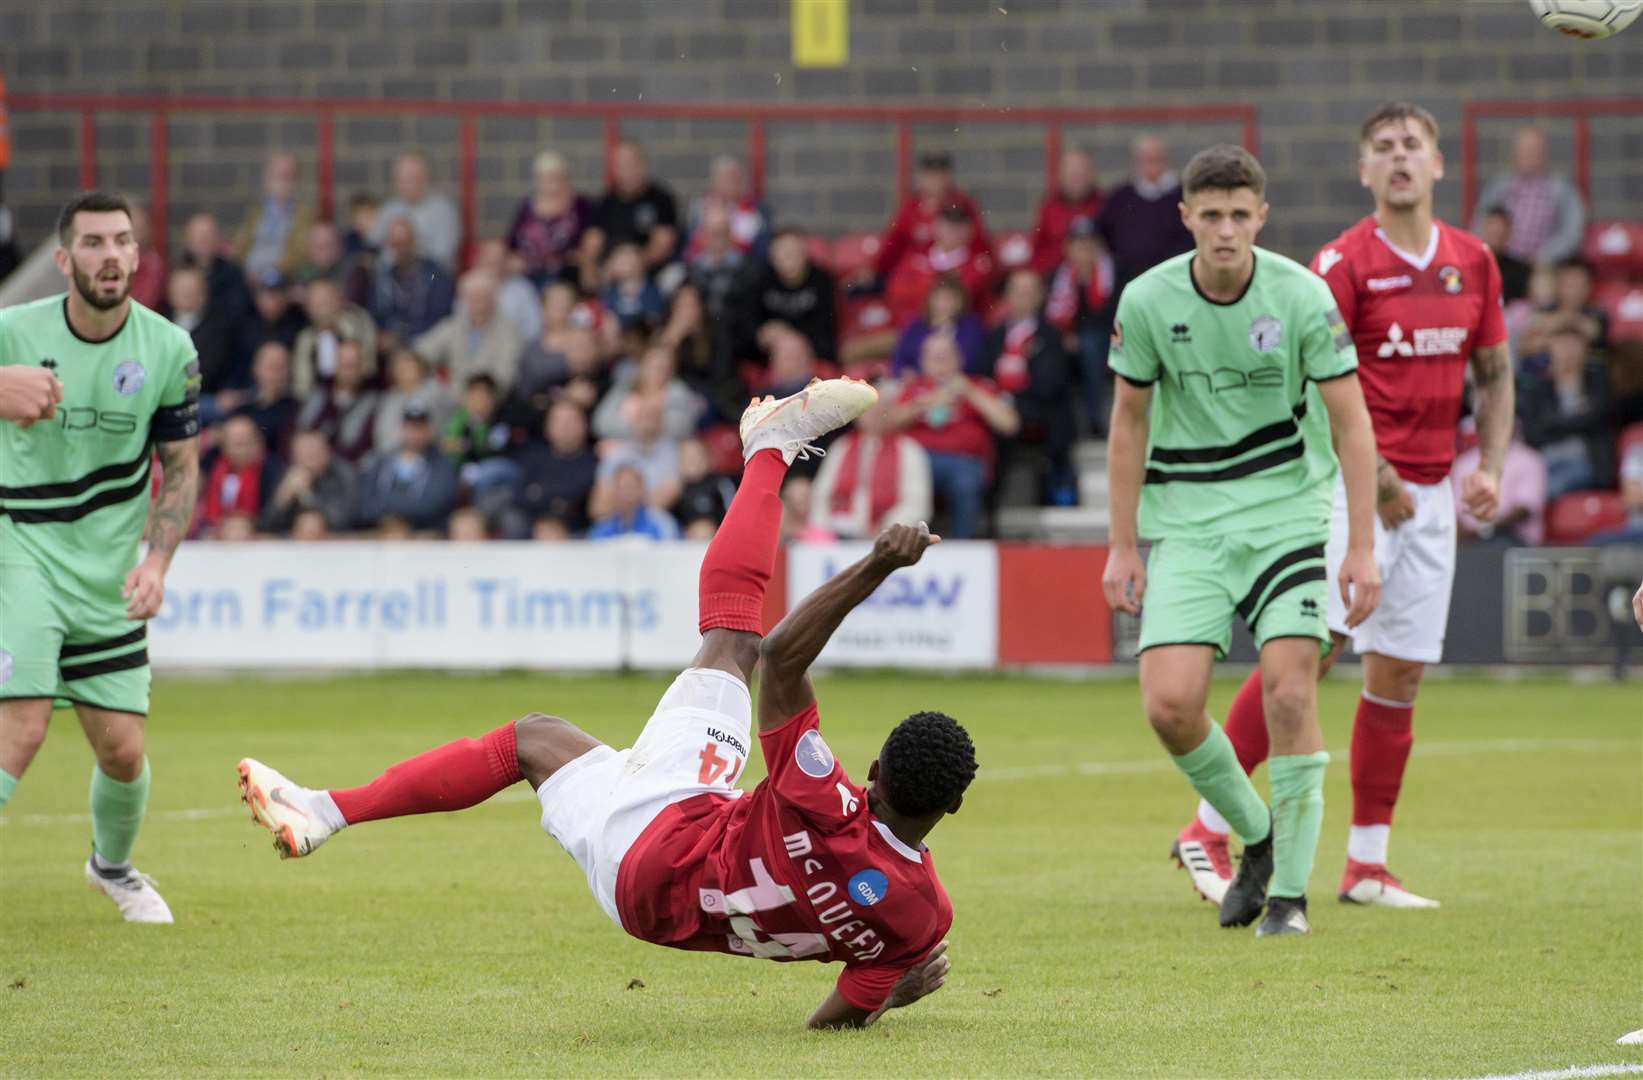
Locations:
(581, 375)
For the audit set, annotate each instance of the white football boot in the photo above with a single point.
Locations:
(1373, 885)
(133, 893)
(287, 810)
(791, 423)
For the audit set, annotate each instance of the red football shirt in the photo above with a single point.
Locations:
(1415, 318)
(797, 869)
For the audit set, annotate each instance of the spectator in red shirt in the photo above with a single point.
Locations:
(1076, 307)
(727, 190)
(954, 250)
(1074, 198)
(914, 226)
(243, 477)
(955, 418)
(148, 280)
(1026, 361)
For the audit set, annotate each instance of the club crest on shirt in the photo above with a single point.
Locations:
(868, 887)
(129, 377)
(1117, 341)
(1450, 276)
(813, 756)
(6, 667)
(1265, 334)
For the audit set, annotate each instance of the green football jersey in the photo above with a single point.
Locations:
(1238, 441)
(74, 491)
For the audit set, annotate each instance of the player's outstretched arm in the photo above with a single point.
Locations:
(788, 651)
(1493, 402)
(168, 522)
(1354, 439)
(1125, 577)
(921, 980)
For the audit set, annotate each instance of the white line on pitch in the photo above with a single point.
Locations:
(1570, 1074)
(1007, 772)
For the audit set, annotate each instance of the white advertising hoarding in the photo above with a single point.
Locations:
(428, 605)
(940, 613)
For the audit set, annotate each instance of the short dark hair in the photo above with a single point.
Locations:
(1223, 167)
(1392, 111)
(927, 763)
(789, 230)
(1499, 211)
(88, 202)
(1575, 262)
(482, 378)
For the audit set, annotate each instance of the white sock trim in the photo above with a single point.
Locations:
(326, 808)
(1375, 699)
(1368, 843)
(1211, 819)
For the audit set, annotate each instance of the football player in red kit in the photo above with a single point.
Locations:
(1422, 300)
(806, 866)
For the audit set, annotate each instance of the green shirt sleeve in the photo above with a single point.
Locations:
(1132, 355)
(178, 415)
(1327, 351)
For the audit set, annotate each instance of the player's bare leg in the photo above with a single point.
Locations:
(119, 800)
(23, 724)
(1382, 734)
(1289, 693)
(1174, 688)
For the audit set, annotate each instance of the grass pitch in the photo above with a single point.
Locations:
(467, 944)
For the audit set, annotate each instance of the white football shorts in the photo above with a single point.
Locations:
(1417, 564)
(696, 742)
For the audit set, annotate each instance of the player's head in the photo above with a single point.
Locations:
(925, 767)
(97, 248)
(1223, 204)
(1398, 155)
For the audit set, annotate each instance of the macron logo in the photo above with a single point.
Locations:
(1327, 258)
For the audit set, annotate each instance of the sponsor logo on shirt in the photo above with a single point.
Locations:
(728, 739)
(1327, 258)
(848, 803)
(1382, 284)
(129, 377)
(1180, 334)
(868, 887)
(1450, 276)
(813, 756)
(1265, 334)
(1428, 341)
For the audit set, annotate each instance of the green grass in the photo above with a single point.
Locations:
(467, 944)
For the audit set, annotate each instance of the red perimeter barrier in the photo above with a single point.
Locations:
(468, 113)
(1575, 109)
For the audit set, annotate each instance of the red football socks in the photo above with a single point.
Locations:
(740, 559)
(1382, 734)
(1246, 724)
(455, 776)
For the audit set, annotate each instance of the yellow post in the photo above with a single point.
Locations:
(821, 33)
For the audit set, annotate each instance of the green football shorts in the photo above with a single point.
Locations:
(57, 645)
(1195, 585)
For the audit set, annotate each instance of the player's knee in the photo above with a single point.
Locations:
(537, 738)
(1290, 699)
(121, 756)
(1174, 716)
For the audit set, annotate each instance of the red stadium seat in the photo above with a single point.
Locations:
(821, 251)
(1571, 518)
(852, 251)
(1631, 435)
(1624, 303)
(1014, 249)
(1615, 249)
(861, 316)
(724, 449)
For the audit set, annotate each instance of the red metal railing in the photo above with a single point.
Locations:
(1576, 110)
(468, 113)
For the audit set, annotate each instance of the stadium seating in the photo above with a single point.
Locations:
(1571, 518)
(1615, 249)
(852, 251)
(1624, 303)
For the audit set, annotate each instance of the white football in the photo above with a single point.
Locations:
(1587, 18)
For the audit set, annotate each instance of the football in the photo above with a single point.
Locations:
(1587, 19)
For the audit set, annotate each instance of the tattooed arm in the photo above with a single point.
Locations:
(1492, 404)
(168, 521)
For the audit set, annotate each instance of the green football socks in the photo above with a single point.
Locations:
(1213, 771)
(1297, 818)
(116, 814)
(8, 784)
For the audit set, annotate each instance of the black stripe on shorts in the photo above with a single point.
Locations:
(1269, 460)
(1279, 565)
(69, 652)
(1298, 578)
(125, 662)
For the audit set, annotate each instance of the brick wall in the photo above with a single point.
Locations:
(1313, 68)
